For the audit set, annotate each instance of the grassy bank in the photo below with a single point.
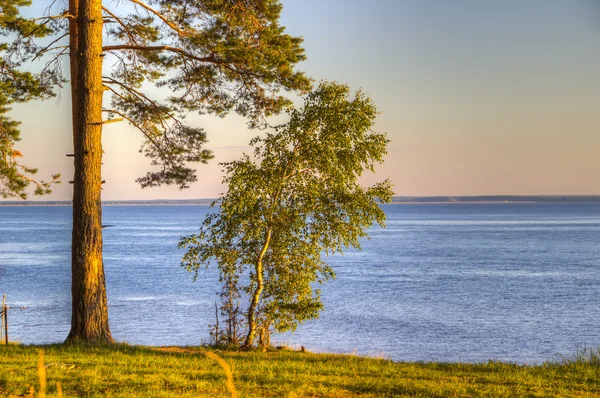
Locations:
(126, 371)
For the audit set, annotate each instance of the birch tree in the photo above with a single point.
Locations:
(296, 199)
(212, 56)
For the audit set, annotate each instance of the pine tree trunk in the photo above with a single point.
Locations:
(89, 318)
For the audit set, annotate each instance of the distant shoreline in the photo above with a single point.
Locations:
(495, 199)
(474, 202)
(133, 203)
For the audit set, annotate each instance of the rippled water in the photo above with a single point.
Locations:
(451, 282)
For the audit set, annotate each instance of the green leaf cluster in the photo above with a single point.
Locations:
(298, 197)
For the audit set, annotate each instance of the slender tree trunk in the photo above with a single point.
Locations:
(89, 319)
(258, 269)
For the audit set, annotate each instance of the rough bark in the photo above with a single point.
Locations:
(89, 318)
(257, 292)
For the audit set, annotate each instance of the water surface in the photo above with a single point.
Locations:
(448, 282)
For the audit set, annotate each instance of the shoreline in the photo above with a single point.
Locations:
(208, 203)
(475, 202)
(396, 200)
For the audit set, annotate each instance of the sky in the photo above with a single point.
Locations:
(477, 97)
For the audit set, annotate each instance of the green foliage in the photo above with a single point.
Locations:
(297, 197)
(213, 56)
(12, 21)
(17, 87)
(15, 177)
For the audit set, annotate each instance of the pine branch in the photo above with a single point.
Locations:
(55, 60)
(146, 133)
(169, 23)
(48, 47)
(155, 106)
(20, 178)
(110, 80)
(121, 47)
(48, 18)
(123, 24)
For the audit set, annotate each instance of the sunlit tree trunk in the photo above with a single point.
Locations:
(89, 319)
(258, 269)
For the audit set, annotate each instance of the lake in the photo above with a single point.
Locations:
(443, 282)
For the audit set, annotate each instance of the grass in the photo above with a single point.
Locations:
(129, 371)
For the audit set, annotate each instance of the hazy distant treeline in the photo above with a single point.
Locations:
(395, 199)
(497, 198)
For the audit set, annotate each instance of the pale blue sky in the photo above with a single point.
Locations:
(478, 97)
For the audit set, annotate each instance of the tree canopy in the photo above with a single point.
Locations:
(18, 86)
(204, 56)
(298, 197)
(213, 56)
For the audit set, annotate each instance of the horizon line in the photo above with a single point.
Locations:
(395, 196)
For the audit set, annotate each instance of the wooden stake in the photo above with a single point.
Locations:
(6, 324)
(2, 317)
(5, 311)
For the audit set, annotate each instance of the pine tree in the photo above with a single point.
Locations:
(213, 56)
